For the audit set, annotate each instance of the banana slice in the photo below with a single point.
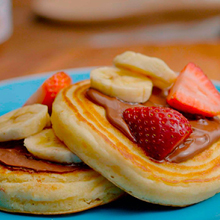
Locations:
(160, 84)
(123, 84)
(154, 68)
(45, 145)
(23, 122)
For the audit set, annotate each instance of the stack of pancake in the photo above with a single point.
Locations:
(86, 118)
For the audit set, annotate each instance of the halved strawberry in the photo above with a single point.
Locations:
(157, 130)
(194, 93)
(47, 92)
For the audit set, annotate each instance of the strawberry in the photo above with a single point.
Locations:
(194, 93)
(47, 92)
(157, 130)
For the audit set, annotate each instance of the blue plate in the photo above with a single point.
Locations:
(13, 93)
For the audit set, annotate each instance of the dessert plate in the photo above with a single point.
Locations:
(14, 92)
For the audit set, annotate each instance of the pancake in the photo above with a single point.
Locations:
(83, 127)
(51, 188)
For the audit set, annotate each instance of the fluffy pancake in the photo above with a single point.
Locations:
(83, 127)
(36, 192)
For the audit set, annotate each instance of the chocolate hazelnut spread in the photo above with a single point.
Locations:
(206, 131)
(14, 156)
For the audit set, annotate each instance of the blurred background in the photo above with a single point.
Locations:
(47, 35)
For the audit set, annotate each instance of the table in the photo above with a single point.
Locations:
(38, 46)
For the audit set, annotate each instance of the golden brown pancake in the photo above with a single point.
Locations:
(83, 127)
(52, 188)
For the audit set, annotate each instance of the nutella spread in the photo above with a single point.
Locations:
(14, 155)
(206, 131)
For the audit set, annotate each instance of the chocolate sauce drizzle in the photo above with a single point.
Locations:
(14, 155)
(206, 131)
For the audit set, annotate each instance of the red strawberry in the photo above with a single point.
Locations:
(194, 93)
(47, 92)
(157, 130)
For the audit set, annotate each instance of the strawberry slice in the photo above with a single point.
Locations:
(157, 130)
(194, 93)
(47, 92)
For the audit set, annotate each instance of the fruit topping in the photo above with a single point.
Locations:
(194, 93)
(123, 84)
(157, 130)
(23, 122)
(47, 92)
(46, 145)
(156, 69)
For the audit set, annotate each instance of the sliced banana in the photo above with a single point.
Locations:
(123, 84)
(153, 67)
(45, 145)
(23, 122)
(160, 84)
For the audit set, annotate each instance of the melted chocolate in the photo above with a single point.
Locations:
(206, 131)
(14, 155)
(114, 109)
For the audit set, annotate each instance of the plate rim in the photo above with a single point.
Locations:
(78, 70)
(39, 75)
